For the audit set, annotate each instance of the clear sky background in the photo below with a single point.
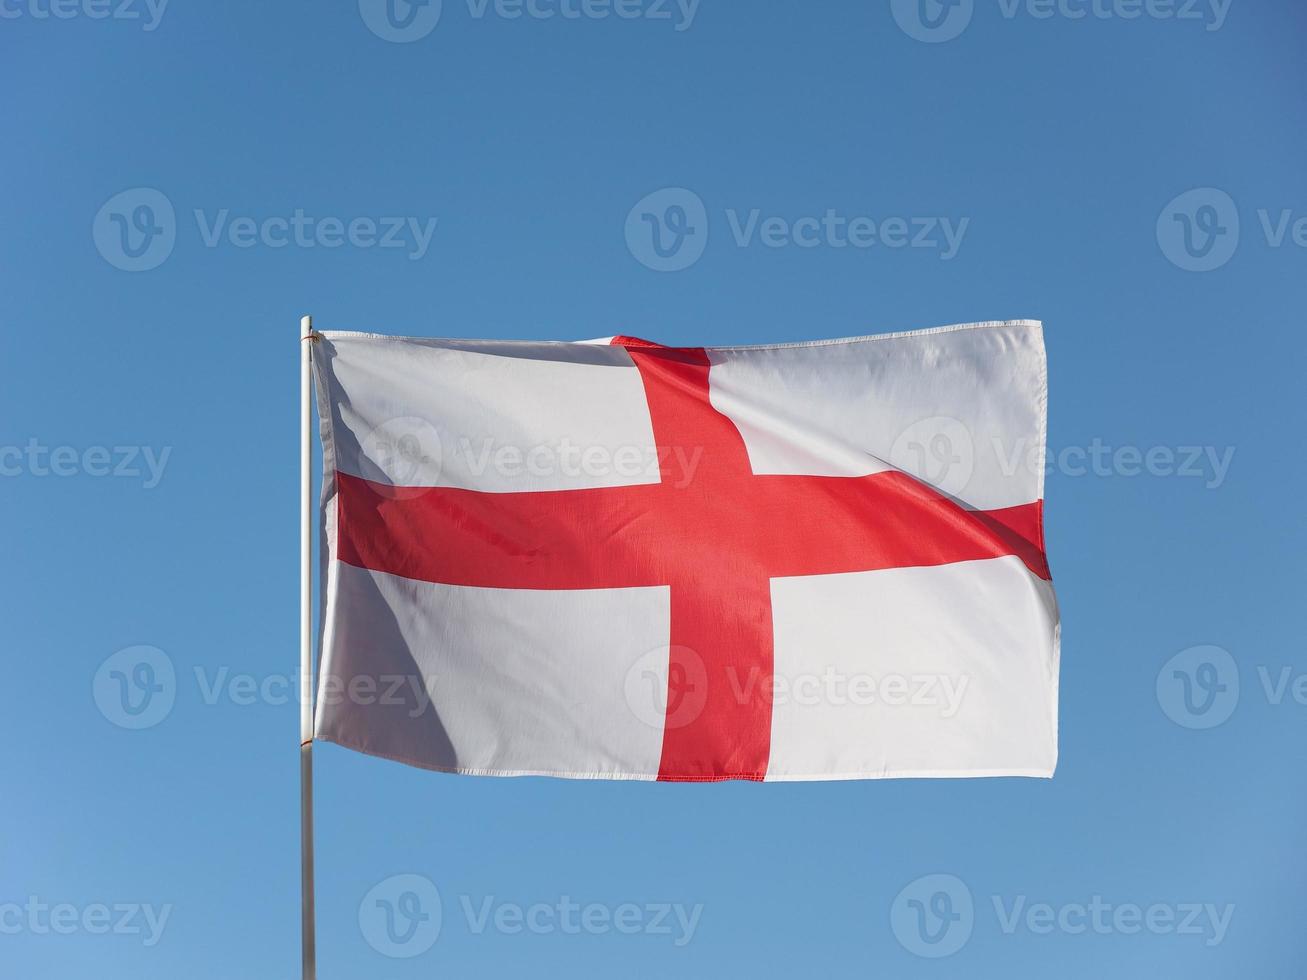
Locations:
(1064, 143)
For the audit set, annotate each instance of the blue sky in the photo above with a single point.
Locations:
(1132, 176)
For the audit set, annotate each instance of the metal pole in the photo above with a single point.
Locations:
(307, 924)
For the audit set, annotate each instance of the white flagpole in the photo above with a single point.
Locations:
(307, 924)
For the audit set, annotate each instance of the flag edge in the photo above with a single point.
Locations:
(990, 773)
(1037, 325)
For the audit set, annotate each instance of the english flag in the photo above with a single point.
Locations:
(618, 560)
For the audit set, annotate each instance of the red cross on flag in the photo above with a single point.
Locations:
(627, 561)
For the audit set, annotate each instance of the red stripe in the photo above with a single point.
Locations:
(620, 537)
(713, 532)
(721, 621)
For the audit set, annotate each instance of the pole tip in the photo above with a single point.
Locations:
(306, 323)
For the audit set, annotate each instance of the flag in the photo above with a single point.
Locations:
(620, 560)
